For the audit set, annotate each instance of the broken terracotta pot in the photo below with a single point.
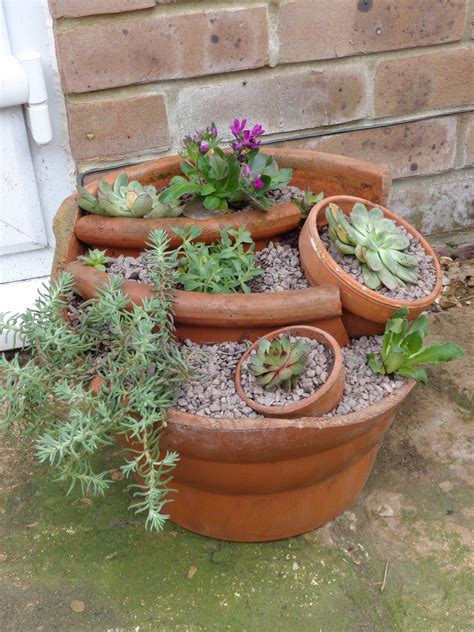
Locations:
(322, 401)
(254, 480)
(210, 318)
(366, 311)
(318, 171)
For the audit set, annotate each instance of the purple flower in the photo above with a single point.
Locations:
(238, 127)
(203, 147)
(257, 130)
(258, 184)
(247, 171)
(245, 139)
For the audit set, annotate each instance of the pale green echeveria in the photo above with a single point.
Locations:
(377, 242)
(126, 199)
(279, 362)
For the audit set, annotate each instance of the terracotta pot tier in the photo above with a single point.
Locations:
(208, 318)
(254, 480)
(321, 172)
(323, 400)
(366, 311)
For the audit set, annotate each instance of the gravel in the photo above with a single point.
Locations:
(318, 366)
(280, 260)
(413, 291)
(212, 392)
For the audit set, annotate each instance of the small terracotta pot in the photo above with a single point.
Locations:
(323, 400)
(366, 311)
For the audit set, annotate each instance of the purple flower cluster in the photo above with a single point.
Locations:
(245, 139)
(202, 140)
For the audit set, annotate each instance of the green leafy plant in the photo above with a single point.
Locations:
(377, 242)
(306, 203)
(219, 179)
(134, 353)
(126, 199)
(402, 348)
(96, 258)
(225, 266)
(278, 362)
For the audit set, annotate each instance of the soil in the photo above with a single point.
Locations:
(212, 392)
(319, 363)
(412, 291)
(280, 261)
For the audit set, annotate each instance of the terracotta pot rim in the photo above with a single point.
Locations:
(306, 403)
(346, 279)
(243, 424)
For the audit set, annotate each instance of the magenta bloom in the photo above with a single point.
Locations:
(238, 127)
(245, 139)
(203, 147)
(258, 184)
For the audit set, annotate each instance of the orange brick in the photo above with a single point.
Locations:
(410, 149)
(279, 101)
(422, 82)
(469, 142)
(78, 8)
(115, 128)
(128, 49)
(323, 29)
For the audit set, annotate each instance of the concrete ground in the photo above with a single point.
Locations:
(398, 559)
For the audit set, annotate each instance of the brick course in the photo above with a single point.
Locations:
(78, 8)
(128, 49)
(468, 153)
(111, 128)
(423, 82)
(323, 29)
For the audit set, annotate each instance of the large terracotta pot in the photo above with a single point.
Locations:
(208, 318)
(323, 400)
(366, 311)
(321, 172)
(253, 480)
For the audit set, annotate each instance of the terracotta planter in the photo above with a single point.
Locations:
(365, 311)
(253, 480)
(208, 318)
(329, 173)
(323, 400)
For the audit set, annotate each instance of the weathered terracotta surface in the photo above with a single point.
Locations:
(229, 317)
(253, 480)
(321, 172)
(365, 311)
(323, 400)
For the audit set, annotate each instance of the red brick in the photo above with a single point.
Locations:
(323, 29)
(125, 49)
(279, 101)
(423, 82)
(115, 128)
(468, 153)
(78, 8)
(410, 149)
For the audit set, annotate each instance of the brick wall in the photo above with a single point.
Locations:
(139, 74)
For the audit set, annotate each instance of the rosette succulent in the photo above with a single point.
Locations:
(278, 362)
(126, 199)
(96, 259)
(377, 242)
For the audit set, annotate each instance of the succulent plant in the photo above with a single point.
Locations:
(96, 258)
(377, 242)
(278, 362)
(126, 199)
(306, 203)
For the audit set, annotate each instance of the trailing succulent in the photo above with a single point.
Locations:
(126, 199)
(377, 242)
(135, 354)
(278, 362)
(402, 349)
(219, 180)
(225, 266)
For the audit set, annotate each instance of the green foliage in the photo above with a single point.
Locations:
(126, 199)
(96, 258)
(223, 267)
(377, 242)
(135, 354)
(402, 348)
(278, 362)
(219, 179)
(306, 203)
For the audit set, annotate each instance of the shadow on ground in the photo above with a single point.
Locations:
(411, 523)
